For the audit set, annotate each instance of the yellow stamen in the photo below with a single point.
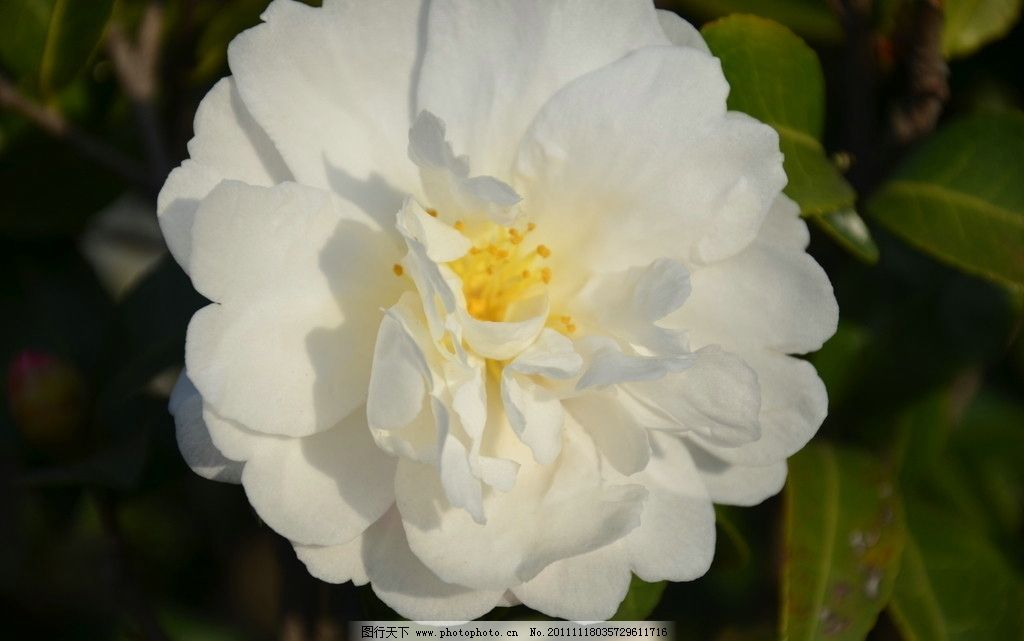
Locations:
(398, 269)
(495, 273)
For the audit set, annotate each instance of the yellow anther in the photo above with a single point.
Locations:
(566, 319)
(530, 227)
(459, 225)
(569, 327)
(432, 212)
(496, 274)
(398, 269)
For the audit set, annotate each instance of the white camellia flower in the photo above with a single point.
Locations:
(502, 298)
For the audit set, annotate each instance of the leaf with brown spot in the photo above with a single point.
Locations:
(844, 537)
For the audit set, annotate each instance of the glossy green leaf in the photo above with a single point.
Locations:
(970, 24)
(640, 601)
(960, 197)
(776, 78)
(953, 585)
(849, 230)
(47, 42)
(844, 537)
(812, 19)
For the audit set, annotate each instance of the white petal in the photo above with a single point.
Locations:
(228, 145)
(446, 180)
(232, 439)
(717, 398)
(553, 512)
(677, 539)
(503, 340)
(768, 296)
(680, 32)
(783, 226)
(588, 587)
(640, 159)
(441, 241)
(552, 356)
(400, 378)
(490, 66)
(335, 563)
(323, 489)
(186, 405)
(628, 305)
(409, 587)
(607, 364)
(333, 88)
(535, 414)
(730, 484)
(301, 279)
(619, 435)
(793, 405)
(461, 486)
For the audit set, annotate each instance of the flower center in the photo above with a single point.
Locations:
(500, 268)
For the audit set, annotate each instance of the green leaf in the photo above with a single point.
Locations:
(970, 24)
(844, 537)
(776, 78)
(849, 230)
(47, 42)
(73, 33)
(953, 585)
(640, 601)
(23, 25)
(810, 18)
(960, 197)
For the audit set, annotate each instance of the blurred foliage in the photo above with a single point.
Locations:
(902, 521)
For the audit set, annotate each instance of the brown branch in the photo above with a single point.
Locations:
(136, 65)
(858, 132)
(927, 74)
(54, 124)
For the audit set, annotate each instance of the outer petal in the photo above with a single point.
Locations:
(640, 159)
(730, 484)
(301, 279)
(769, 296)
(228, 145)
(553, 512)
(490, 66)
(408, 586)
(194, 439)
(793, 405)
(233, 440)
(680, 32)
(335, 563)
(323, 489)
(717, 398)
(588, 587)
(677, 539)
(333, 89)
